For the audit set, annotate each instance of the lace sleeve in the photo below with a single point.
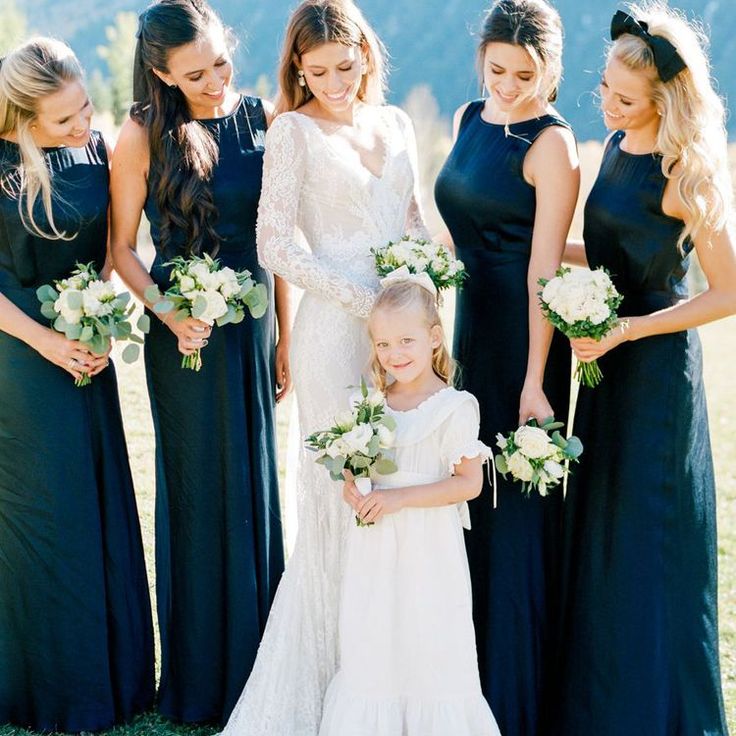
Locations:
(284, 169)
(414, 223)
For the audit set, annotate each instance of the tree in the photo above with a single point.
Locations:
(13, 26)
(118, 55)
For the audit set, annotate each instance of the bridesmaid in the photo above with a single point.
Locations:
(639, 630)
(76, 639)
(191, 157)
(507, 194)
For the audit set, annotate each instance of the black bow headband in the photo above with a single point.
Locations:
(668, 62)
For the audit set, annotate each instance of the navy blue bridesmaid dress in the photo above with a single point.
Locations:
(76, 637)
(639, 629)
(219, 548)
(513, 549)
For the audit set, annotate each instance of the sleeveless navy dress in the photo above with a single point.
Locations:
(639, 635)
(489, 209)
(76, 637)
(219, 548)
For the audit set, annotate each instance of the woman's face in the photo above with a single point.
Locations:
(509, 76)
(202, 70)
(333, 72)
(626, 98)
(63, 118)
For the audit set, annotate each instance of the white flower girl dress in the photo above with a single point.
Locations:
(408, 663)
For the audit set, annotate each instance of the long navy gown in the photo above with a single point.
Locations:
(219, 548)
(639, 634)
(76, 638)
(512, 549)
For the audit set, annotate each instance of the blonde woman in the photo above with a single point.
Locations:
(76, 640)
(339, 167)
(639, 646)
(510, 228)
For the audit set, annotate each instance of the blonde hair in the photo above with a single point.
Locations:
(30, 72)
(316, 22)
(534, 26)
(406, 295)
(692, 132)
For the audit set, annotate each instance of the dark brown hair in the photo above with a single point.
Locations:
(183, 153)
(536, 27)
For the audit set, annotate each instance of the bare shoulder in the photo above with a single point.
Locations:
(269, 110)
(556, 141)
(132, 140)
(457, 119)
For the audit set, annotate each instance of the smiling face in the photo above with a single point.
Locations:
(403, 342)
(626, 99)
(333, 72)
(202, 70)
(63, 118)
(510, 76)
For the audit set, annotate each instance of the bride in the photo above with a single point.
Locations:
(339, 171)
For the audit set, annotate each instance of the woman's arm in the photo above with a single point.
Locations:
(284, 168)
(283, 320)
(552, 167)
(129, 188)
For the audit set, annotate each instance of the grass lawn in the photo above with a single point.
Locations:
(720, 350)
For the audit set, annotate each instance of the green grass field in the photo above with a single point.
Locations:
(720, 351)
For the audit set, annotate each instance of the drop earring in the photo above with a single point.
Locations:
(301, 80)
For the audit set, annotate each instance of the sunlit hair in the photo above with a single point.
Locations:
(183, 153)
(407, 295)
(316, 22)
(692, 132)
(535, 26)
(30, 72)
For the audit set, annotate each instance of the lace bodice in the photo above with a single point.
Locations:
(339, 206)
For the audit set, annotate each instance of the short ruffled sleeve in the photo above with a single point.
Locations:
(460, 437)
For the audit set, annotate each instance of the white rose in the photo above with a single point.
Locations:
(401, 253)
(375, 397)
(554, 469)
(229, 285)
(336, 448)
(61, 305)
(357, 439)
(602, 280)
(345, 420)
(386, 436)
(500, 441)
(202, 275)
(551, 290)
(215, 308)
(520, 467)
(534, 442)
(438, 266)
(186, 283)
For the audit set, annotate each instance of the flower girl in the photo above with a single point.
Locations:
(408, 664)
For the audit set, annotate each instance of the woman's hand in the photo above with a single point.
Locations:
(191, 333)
(350, 492)
(376, 504)
(533, 404)
(70, 355)
(587, 349)
(283, 370)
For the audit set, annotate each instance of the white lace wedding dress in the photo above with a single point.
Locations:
(315, 186)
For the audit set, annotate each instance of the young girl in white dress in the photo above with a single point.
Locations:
(408, 664)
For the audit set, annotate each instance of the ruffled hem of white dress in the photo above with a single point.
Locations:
(350, 714)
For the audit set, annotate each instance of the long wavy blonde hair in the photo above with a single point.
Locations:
(692, 131)
(39, 67)
(315, 22)
(407, 295)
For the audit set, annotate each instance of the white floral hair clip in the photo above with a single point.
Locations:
(403, 273)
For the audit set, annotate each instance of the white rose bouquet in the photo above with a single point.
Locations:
(581, 303)
(87, 309)
(205, 290)
(536, 455)
(420, 256)
(357, 441)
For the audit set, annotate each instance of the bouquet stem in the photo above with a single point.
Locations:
(193, 361)
(364, 486)
(85, 380)
(589, 374)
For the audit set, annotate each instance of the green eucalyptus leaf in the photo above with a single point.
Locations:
(86, 334)
(74, 300)
(574, 447)
(144, 324)
(73, 332)
(384, 466)
(47, 293)
(130, 353)
(152, 294)
(389, 422)
(501, 464)
(163, 306)
(48, 311)
(137, 339)
(199, 307)
(60, 324)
